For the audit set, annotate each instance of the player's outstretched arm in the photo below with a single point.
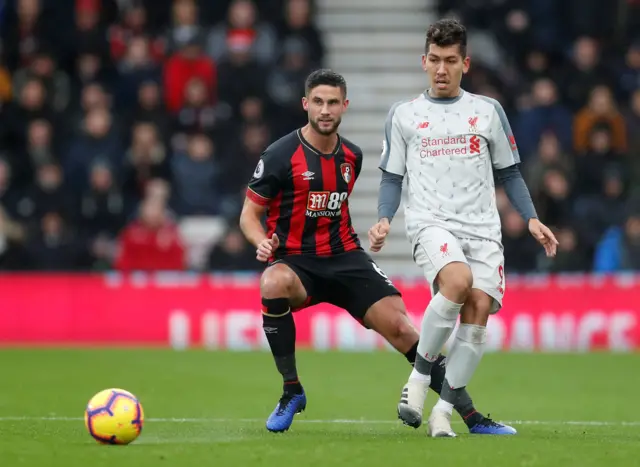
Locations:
(505, 158)
(520, 199)
(251, 226)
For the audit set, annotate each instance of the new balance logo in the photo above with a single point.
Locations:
(423, 125)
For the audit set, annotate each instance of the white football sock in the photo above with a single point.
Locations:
(465, 354)
(415, 374)
(437, 324)
(444, 406)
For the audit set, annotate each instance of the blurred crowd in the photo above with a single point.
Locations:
(129, 128)
(568, 74)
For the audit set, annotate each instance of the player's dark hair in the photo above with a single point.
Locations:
(447, 32)
(325, 77)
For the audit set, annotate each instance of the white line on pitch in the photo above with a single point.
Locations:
(328, 422)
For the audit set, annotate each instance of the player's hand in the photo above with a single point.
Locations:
(266, 248)
(378, 234)
(544, 236)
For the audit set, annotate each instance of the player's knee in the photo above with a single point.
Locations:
(477, 308)
(277, 282)
(455, 281)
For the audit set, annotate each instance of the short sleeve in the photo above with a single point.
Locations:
(504, 151)
(267, 179)
(394, 146)
(358, 162)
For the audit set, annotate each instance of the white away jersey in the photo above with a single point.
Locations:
(447, 148)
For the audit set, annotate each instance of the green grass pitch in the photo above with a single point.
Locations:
(208, 408)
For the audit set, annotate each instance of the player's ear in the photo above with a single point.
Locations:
(424, 62)
(305, 104)
(345, 104)
(466, 63)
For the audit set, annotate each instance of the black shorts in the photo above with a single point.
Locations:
(350, 280)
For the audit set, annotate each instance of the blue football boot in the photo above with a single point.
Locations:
(282, 416)
(489, 427)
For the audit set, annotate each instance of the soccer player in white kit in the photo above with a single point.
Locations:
(448, 142)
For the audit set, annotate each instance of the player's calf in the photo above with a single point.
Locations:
(388, 317)
(454, 284)
(454, 281)
(468, 346)
(281, 289)
(466, 351)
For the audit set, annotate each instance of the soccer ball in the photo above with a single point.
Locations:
(114, 416)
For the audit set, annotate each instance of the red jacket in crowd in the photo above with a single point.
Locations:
(146, 249)
(179, 70)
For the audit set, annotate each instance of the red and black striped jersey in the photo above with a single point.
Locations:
(307, 193)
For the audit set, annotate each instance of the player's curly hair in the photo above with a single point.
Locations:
(447, 32)
(327, 77)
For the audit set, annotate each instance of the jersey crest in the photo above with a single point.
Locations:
(473, 124)
(347, 172)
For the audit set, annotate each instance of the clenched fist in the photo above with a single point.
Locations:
(266, 248)
(378, 234)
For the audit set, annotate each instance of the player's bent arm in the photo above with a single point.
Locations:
(251, 221)
(517, 191)
(389, 195)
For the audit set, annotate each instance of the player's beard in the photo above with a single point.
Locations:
(326, 132)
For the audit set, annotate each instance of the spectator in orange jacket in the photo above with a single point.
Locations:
(182, 67)
(601, 109)
(152, 242)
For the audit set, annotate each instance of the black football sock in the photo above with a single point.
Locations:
(462, 403)
(437, 374)
(461, 399)
(280, 330)
(411, 354)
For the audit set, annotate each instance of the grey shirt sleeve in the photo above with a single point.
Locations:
(389, 195)
(517, 191)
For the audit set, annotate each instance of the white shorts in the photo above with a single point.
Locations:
(437, 247)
